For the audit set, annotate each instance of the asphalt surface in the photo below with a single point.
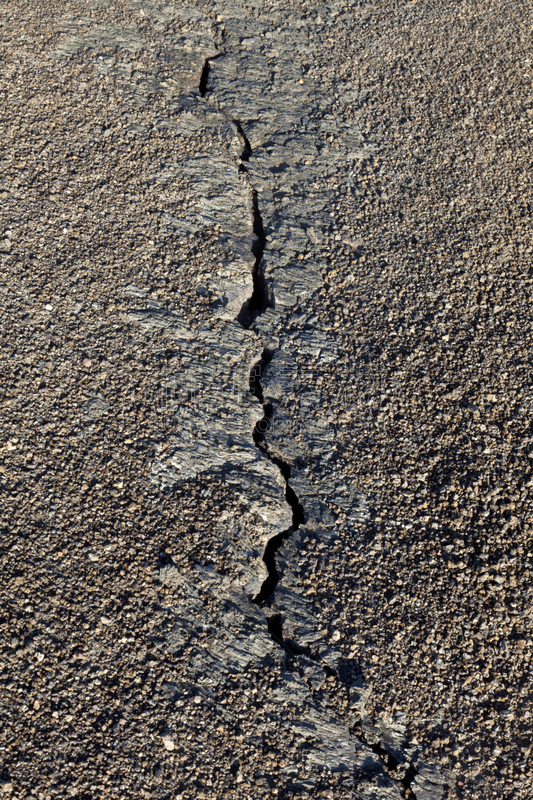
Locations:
(266, 277)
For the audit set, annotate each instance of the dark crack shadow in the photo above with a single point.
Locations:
(261, 298)
(298, 516)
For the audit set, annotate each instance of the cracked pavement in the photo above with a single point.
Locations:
(266, 279)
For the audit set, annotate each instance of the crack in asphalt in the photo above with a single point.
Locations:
(403, 772)
(298, 516)
(260, 299)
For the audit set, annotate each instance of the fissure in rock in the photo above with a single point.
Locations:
(298, 517)
(261, 298)
(202, 87)
(393, 764)
(257, 303)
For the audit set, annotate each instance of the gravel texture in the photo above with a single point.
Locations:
(266, 280)
(431, 304)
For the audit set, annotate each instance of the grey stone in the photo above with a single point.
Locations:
(96, 407)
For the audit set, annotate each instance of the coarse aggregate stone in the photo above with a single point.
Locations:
(162, 166)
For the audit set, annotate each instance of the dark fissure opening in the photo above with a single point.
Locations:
(298, 516)
(274, 627)
(401, 771)
(203, 79)
(392, 765)
(204, 76)
(269, 557)
(260, 299)
(257, 390)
